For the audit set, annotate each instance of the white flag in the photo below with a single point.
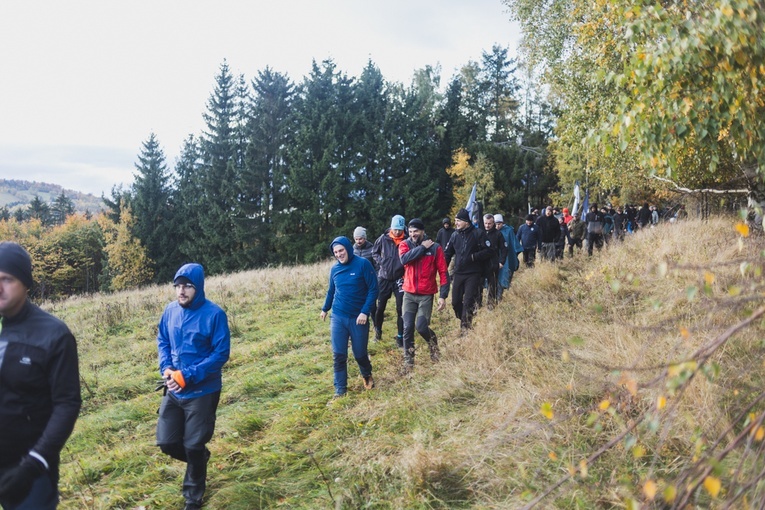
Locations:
(576, 198)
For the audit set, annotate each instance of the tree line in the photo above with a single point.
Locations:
(282, 167)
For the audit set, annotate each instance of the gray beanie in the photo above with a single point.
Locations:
(360, 232)
(15, 261)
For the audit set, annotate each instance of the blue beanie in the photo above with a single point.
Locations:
(15, 261)
(398, 223)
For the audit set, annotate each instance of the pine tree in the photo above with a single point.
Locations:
(39, 210)
(150, 200)
(61, 208)
(263, 180)
(216, 242)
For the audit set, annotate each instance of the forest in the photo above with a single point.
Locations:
(635, 102)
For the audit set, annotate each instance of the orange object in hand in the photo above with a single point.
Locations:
(177, 376)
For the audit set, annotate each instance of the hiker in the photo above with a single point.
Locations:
(193, 341)
(496, 262)
(577, 229)
(39, 389)
(351, 293)
(595, 223)
(528, 235)
(363, 248)
(390, 276)
(444, 233)
(470, 252)
(510, 266)
(549, 233)
(423, 259)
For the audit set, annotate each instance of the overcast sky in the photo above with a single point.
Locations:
(84, 82)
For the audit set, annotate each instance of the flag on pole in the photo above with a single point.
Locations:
(471, 202)
(585, 204)
(576, 197)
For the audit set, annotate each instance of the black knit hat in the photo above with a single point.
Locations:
(15, 261)
(463, 215)
(417, 223)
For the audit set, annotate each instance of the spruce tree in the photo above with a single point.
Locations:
(150, 195)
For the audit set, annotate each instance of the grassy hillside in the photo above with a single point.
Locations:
(570, 391)
(15, 194)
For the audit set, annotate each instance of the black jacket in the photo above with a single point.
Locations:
(443, 236)
(549, 229)
(39, 387)
(498, 248)
(385, 253)
(470, 250)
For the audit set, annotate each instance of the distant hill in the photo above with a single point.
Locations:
(15, 194)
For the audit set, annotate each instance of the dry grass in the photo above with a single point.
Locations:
(467, 432)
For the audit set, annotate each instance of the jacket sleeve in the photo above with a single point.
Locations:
(377, 251)
(220, 339)
(502, 248)
(163, 345)
(371, 280)
(64, 383)
(408, 254)
(443, 273)
(482, 252)
(449, 251)
(330, 294)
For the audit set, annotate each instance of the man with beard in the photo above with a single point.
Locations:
(423, 259)
(470, 249)
(194, 342)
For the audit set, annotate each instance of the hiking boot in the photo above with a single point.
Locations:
(378, 335)
(435, 353)
(369, 382)
(400, 341)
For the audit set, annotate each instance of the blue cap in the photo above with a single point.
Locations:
(398, 223)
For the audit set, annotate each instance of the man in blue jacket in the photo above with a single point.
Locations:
(351, 294)
(194, 343)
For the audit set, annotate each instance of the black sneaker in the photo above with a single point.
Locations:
(378, 335)
(369, 382)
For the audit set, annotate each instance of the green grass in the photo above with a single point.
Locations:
(465, 433)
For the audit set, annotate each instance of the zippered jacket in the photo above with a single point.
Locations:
(39, 387)
(421, 265)
(195, 340)
(385, 253)
(470, 249)
(352, 286)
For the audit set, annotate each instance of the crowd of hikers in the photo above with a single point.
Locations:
(477, 256)
(39, 370)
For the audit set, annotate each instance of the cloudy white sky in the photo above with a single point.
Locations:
(84, 82)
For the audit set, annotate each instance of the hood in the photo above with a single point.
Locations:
(345, 242)
(196, 274)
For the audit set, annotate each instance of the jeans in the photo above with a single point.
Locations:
(340, 330)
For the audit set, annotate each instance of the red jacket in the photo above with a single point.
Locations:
(420, 268)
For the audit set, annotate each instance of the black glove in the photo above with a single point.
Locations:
(16, 483)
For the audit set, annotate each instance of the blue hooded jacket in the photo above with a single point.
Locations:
(352, 286)
(195, 340)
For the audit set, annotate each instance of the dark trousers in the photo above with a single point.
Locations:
(465, 289)
(574, 242)
(184, 427)
(594, 240)
(529, 255)
(492, 296)
(388, 288)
